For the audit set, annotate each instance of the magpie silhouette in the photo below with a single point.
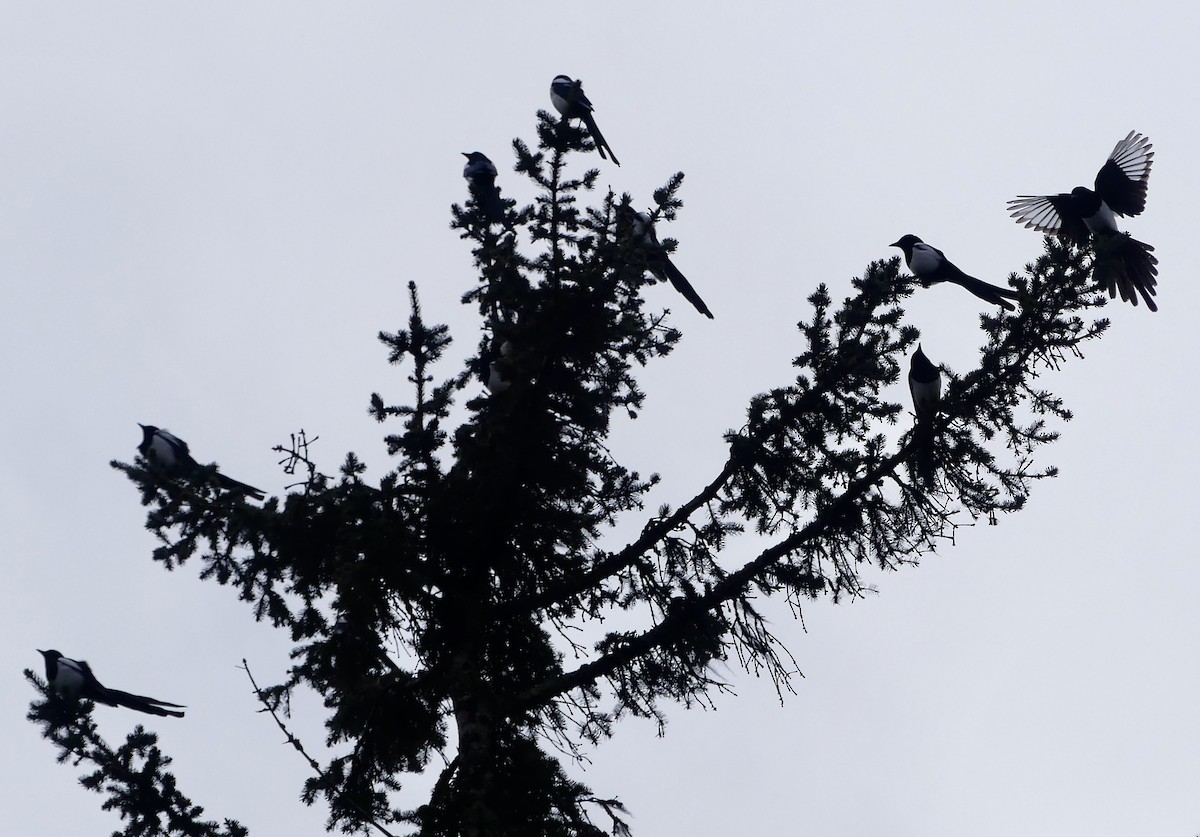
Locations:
(480, 173)
(1123, 264)
(931, 266)
(925, 385)
(170, 453)
(74, 679)
(637, 229)
(568, 99)
(494, 366)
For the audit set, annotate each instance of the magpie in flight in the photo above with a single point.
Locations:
(1124, 265)
(931, 266)
(925, 384)
(74, 679)
(568, 99)
(480, 173)
(637, 228)
(170, 453)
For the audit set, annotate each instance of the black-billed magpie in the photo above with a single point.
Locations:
(170, 453)
(1123, 264)
(925, 384)
(494, 366)
(637, 229)
(566, 94)
(931, 266)
(74, 679)
(480, 173)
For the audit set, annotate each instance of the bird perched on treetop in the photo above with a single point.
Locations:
(480, 173)
(637, 229)
(170, 453)
(74, 679)
(925, 384)
(931, 266)
(1123, 264)
(568, 99)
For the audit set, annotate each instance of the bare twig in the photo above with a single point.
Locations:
(295, 742)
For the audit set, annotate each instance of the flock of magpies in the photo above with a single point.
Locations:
(1124, 265)
(568, 98)
(73, 679)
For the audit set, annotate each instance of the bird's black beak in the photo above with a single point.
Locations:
(465, 154)
(894, 244)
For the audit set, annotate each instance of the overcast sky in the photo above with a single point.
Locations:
(208, 212)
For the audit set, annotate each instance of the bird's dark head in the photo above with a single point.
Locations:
(921, 366)
(49, 655)
(474, 156)
(906, 242)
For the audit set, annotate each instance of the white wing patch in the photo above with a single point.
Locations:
(68, 680)
(1037, 212)
(925, 260)
(1133, 156)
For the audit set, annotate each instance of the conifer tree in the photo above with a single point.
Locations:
(437, 610)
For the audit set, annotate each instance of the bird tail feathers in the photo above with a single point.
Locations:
(598, 139)
(988, 292)
(681, 284)
(230, 484)
(140, 703)
(1127, 267)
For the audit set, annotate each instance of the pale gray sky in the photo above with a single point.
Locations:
(208, 211)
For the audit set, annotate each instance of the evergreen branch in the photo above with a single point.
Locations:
(731, 587)
(653, 533)
(269, 706)
(133, 776)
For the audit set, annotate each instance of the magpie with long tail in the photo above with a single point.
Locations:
(480, 173)
(931, 266)
(73, 679)
(567, 96)
(1123, 264)
(170, 453)
(925, 385)
(637, 229)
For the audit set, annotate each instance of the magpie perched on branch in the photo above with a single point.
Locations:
(637, 229)
(170, 453)
(1123, 264)
(494, 368)
(931, 266)
(74, 679)
(480, 173)
(925, 385)
(568, 99)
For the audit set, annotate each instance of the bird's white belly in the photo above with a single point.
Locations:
(68, 680)
(924, 261)
(1103, 221)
